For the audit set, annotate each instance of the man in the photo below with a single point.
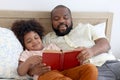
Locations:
(94, 47)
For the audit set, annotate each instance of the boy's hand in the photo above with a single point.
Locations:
(34, 60)
(39, 69)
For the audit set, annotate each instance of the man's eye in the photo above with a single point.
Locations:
(66, 17)
(56, 18)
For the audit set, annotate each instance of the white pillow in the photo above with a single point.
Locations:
(10, 49)
(100, 28)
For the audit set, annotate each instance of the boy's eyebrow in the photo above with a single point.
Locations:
(29, 39)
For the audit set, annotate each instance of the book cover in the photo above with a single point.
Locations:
(61, 60)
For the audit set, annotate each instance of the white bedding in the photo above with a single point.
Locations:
(10, 49)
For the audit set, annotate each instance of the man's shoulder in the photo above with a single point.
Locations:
(48, 37)
(50, 34)
(84, 25)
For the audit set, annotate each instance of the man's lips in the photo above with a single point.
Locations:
(62, 27)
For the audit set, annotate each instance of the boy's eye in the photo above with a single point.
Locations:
(36, 37)
(28, 41)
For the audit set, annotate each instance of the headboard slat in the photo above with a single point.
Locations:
(8, 17)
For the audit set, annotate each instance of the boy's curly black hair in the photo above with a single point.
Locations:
(21, 27)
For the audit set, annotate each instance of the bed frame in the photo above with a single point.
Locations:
(8, 17)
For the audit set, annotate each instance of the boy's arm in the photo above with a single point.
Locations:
(24, 66)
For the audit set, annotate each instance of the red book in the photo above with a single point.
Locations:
(61, 60)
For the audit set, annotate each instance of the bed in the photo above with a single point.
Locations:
(8, 17)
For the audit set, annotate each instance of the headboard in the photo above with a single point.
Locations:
(8, 17)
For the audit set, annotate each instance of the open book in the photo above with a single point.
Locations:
(61, 60)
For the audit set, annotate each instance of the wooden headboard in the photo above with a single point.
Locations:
(8, 17)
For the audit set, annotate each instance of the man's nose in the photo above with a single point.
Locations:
(61, 20)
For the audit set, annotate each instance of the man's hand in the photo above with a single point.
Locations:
(85, 54)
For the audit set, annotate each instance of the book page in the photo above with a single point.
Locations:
(59, 52)
(69, 51)
(52, 51)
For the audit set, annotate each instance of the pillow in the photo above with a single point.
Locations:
(10, 49)
(100, 28)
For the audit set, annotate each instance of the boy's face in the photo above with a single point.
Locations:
(32, 41)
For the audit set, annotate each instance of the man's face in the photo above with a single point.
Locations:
(61, 21)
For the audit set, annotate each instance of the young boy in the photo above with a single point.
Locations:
(30, 35)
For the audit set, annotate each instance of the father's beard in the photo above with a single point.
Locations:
(59, 33)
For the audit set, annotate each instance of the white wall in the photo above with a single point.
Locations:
(74, 5)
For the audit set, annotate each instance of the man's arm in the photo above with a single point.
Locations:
(101, 46)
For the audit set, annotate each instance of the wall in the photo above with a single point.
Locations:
(74, 5)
